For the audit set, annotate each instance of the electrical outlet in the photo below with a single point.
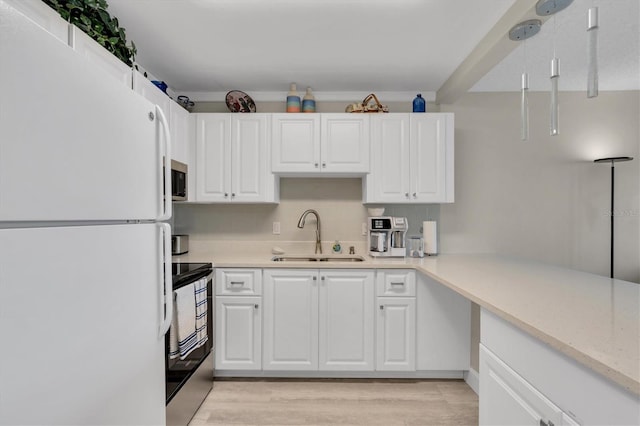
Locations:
(364, 228)
(276, 228)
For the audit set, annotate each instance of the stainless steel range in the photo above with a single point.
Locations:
(190, 378)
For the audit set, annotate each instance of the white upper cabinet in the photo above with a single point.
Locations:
(43, 15)
(344, 143)
(180, 125)
(412, 159)
(93, 52)
(295, 143)
(232, 159)
(320, 143)
(151, 92)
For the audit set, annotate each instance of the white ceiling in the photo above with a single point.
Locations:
(334, 46)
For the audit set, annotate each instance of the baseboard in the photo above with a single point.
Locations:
(473, 380)
(426, 374)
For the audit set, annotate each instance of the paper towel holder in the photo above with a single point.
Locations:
(430, 237)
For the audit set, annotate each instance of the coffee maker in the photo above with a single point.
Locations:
(387, 236)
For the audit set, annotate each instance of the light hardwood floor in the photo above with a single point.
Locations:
(339, 402)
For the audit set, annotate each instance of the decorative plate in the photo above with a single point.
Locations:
(238, 101)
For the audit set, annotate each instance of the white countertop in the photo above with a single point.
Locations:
(592, 319)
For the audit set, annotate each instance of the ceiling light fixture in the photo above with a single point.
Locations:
(521, 32)
(546, 8)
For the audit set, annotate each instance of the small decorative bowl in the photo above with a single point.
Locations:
(375, 211)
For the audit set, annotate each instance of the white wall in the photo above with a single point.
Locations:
(545, 199)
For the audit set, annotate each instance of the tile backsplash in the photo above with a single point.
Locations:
(337, 200)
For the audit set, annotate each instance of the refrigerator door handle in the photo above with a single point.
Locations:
(166, 302)
(165, 213)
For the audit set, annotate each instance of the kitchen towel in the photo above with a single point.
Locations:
(430, 237)
(201, 312)
(182, 334)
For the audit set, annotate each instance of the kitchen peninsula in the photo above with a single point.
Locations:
(579, 319)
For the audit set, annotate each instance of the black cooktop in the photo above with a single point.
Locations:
(189, 272)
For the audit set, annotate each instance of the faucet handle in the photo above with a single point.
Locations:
(352, 250)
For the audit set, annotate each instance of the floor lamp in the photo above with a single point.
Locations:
(613, 161)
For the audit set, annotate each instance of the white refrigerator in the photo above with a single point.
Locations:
(84, 252)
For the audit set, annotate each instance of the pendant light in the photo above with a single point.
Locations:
(521, 32)
(546, 8)
(592, 52)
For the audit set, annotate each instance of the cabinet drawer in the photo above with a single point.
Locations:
(238, 282)
(400, 282)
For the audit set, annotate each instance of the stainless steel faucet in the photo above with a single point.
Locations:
(301, 225)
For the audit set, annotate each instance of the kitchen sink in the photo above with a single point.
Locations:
(317, 258)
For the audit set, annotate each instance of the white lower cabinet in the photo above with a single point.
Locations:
(527, 382)
(318, 320)
(238, 333)
(346, 320)
(396, 334)
(508, 399)
(443, 327)
(290, 319)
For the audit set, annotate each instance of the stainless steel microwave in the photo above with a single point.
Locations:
(178, 181)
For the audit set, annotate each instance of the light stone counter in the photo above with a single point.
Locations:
(592, 319)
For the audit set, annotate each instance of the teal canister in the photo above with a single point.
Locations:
(419, 104)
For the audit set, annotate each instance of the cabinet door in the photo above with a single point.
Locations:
(179, 124)
(238, 333)
(344, 143)
(93, 52)
(213, 157)
(443, 327)
(44, 16)
(389, 177)
(507, 399)
(431, 157)
(396, 336)
(346, 320)
(249, 163)
(290, 319)
(295, 143)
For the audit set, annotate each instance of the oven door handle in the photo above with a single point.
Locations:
(166, 283)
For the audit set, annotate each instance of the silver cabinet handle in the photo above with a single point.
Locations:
(315, 165)
(237, 283)
(256, 306)
(226, 194)
(233, 194)
(400, 283)
(324, 165)
(322, 278)
(315, 278)
(381, 307)
(406, 194)
(414, 195)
